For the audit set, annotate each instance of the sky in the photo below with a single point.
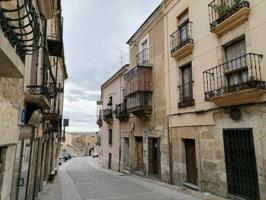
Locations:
(95, 36)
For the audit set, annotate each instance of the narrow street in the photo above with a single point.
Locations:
(81, 179)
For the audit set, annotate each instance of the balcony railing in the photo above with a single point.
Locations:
(143, 56)
(20, 26)
(220, 10)
(238, 74)
(39, 90)
(107, 114)
(186, 95)
(181, 37)
(121, 111)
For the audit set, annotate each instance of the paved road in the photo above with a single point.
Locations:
(81, 179)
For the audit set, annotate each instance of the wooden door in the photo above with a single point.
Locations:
(191, 164)
(139, 153)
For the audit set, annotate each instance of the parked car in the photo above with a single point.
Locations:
(66, 156)
(61, 160)
(95, 154)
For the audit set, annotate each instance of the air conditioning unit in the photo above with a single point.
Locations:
(46, 8)
(36, 118)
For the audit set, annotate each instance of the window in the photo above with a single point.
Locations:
(110, 101)
(186, 87)
(143, 56)
(237, 71)
(110, 136)
(183, 26)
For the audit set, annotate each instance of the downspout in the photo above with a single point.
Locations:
(169, 132)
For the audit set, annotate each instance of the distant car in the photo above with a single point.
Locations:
(95, 154)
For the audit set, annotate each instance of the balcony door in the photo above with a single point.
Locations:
(143, 56)
(236, 67)
(184, 32)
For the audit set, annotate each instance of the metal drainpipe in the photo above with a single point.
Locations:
(169, 132)
(119, 168)
(170, 150)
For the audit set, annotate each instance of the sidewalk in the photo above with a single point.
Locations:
(51, 191)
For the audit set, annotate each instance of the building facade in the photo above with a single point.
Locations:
(111, 127)
(146, 100)
(129, 100)
(32, 75)
(216, 75)
(194, 98)
(82, 144)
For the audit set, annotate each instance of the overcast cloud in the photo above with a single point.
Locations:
(94, 33)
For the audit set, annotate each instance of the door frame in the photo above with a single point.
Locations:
(195, 168)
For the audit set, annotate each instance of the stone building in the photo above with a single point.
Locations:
(139, 137)
(111, 127)
(215, 72)
(145, 99)
(32, 75)
(82, 144)
(193, 105)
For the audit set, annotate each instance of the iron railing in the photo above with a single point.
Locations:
(121, 111)
(181, 37)
(220, 10)
(21, 27)
(48, 75)
(186, 95)
(99, 119)
(107, 114)
(38, 90)
(240, 73)
(143, 56)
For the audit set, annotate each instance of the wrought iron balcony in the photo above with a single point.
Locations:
(241, 75)
(121, 111)
(19, 22)
(99, 119)
(186, 95)
(99, 122)
(143, 57)
(226, 15)
(181, 41)
(38, 96)
(108, 115)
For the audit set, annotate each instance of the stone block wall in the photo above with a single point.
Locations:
(210, 148)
